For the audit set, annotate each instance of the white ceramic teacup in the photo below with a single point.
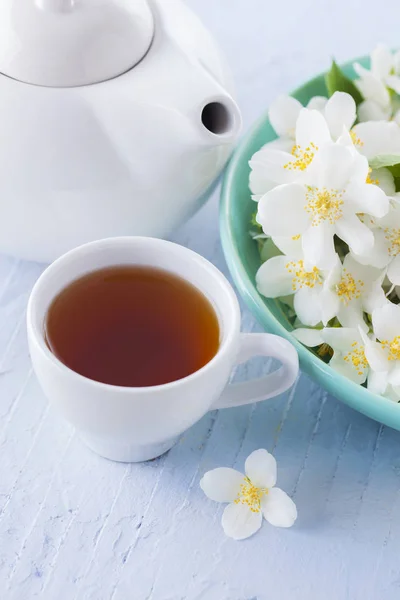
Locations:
(136, 424)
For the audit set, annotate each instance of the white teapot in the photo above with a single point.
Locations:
(115, 119)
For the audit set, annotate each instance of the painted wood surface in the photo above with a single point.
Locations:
(76, 527)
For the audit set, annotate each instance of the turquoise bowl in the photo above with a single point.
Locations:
(243, 260)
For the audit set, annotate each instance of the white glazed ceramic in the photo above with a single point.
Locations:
(116, 118)
(62, 43)
(135, 424)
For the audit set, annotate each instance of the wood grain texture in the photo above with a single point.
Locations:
(76, 527)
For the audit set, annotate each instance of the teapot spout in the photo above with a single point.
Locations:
(219, 117)
(213, 114)
(213, 111)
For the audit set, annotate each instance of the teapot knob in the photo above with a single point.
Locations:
(69, 43)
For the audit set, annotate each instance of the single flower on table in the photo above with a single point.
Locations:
(250, 497)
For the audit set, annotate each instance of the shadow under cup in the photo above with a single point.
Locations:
(126, 423)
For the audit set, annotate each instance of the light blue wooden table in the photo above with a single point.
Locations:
(76, 527)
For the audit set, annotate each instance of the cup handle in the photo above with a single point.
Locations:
(261, 344)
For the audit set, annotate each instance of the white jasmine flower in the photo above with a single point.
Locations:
(339, 111)
(392, 393)
(259, 183)
(325, 202)
(303, 132)
(345, 291)
(250, 496)
(376, 137)
(309, 129)
(384, 357)
(352, 289)
(259, 180)
(318, 103)
(283, 114)
(309, 337)
(348, 353)
(384, 179)
(285, 275)
(349, 358)
(375, 84)
(278, 166)
(386, 249)
(291, 246)
(371, 140)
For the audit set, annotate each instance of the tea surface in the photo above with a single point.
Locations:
(132, 326)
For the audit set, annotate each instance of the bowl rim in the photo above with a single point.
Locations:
(359, 397)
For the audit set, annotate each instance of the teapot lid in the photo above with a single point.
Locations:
(65, 43)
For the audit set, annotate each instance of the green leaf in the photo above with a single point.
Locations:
(391, 161)
(254, 222)
(337, 81)
(397, 184)
(268, 249)
(395, 170)
(341, 247)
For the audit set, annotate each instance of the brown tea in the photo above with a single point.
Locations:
(132, 326)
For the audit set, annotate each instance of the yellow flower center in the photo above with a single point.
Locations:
(302, 158)
(251, 495)
(393, 347)
(348, 288)
(393, 237)
(324, 205)
(357, 357)
(356, 140)
(369, 180)
(301, 277)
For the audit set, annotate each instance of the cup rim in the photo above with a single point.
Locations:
(231, 327)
